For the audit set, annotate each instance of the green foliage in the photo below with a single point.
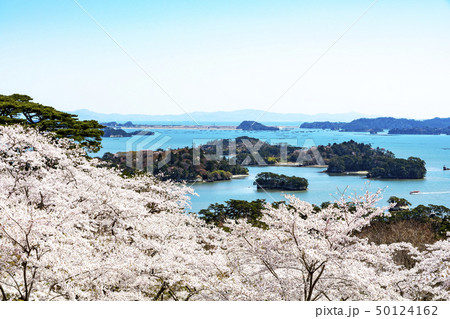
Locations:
(437, 216)
(351, 156)
(235, 209)
(399, 202)
(269, 180)
(219, 175)
(352, 148)
(20, 109)
(398, 168)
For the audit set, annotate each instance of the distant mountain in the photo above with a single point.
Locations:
(221, 116)
(255, 126)
(380, 124)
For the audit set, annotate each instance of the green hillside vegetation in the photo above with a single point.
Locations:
(420, 225)
(234, 209)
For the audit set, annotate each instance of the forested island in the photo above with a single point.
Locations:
(379, 163)
(255, 126)
(382, 123)
(177, 165)
(267, 180)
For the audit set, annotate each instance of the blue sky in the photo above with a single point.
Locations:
(229, 55)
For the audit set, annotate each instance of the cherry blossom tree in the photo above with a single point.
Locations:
(429, 279)
(310, 255)
(70, 229)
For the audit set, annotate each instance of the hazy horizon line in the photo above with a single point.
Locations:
(227, 111)
(360, 115)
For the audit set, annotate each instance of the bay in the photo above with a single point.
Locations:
(434, 149)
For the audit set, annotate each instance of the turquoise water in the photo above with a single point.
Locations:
(435, 150)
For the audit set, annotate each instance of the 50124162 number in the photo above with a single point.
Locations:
(405, 311)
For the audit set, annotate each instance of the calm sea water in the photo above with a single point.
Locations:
(435, 150)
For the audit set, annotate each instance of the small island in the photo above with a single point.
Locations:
(255, 126)
(115, 124)
(113, 132)
(267, 180)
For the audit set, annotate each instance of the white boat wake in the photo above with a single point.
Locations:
(431, 193)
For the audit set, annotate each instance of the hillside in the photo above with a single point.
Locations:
(255, 126)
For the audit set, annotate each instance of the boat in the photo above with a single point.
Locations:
(414, 192)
